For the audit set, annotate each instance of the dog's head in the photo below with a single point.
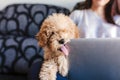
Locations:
(56, 31)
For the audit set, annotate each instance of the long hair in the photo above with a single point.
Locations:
(87, 4)
(116, 7)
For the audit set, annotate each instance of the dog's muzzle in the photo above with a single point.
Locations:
(64, 48)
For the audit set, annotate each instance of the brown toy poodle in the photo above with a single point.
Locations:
(57, 30)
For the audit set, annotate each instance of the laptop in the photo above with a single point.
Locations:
(94, 59)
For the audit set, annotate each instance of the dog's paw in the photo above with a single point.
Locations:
(63, 66)
(63, 72)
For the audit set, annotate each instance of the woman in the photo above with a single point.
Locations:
(95, 19)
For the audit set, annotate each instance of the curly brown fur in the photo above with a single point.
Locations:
(55, 32)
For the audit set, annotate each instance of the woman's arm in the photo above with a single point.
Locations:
(76, 16)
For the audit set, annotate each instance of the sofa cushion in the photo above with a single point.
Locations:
(25, 19)
(17, 54)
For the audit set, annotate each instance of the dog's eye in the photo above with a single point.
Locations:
(53, 33)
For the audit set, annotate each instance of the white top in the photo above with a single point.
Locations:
(92, 26)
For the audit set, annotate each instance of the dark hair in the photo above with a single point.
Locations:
(108, 9)
(116, 7)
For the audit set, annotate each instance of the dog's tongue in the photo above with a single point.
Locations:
(65, 50)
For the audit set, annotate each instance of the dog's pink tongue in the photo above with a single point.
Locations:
(65, 50)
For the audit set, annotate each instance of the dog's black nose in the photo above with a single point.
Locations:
(61, 41)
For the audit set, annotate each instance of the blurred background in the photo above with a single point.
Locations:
(69, 4)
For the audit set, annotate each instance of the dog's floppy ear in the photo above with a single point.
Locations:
(41, 37)
(44, 34)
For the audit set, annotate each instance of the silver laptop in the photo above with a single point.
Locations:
(94, 59)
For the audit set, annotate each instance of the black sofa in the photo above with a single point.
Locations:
(19, 50)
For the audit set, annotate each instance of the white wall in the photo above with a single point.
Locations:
(64, 3)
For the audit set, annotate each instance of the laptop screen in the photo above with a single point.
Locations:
(94, 59)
